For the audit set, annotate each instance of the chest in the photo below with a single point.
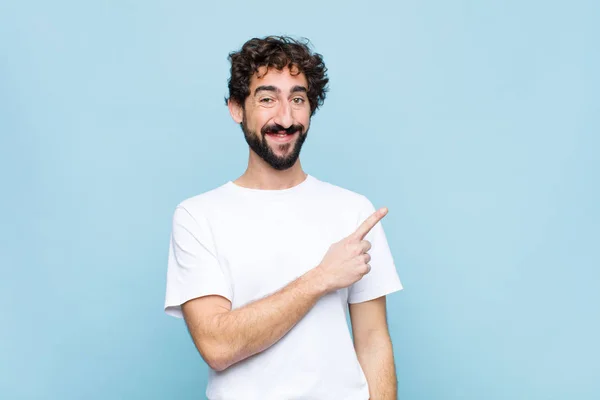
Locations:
(264, 248)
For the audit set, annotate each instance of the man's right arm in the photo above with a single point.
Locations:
(224, 336)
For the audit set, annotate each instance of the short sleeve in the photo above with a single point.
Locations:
(383, 278)
(193, 268)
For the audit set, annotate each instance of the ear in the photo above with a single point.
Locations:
(236, 111)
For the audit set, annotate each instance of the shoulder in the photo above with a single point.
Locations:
(202, 204)
(343, 195)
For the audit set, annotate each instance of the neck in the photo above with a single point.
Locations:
(260, 175)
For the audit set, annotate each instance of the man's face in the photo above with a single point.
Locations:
(276, 116)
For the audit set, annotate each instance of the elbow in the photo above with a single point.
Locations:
(217, 364)
(217, 358)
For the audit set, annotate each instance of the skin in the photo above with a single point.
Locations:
(224, 336)
(267, 107)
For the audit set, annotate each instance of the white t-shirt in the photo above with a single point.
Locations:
(245, 244)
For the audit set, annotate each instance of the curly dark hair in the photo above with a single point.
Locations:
(277, 52)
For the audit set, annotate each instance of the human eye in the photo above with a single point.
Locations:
(298, 100)
(266, 101)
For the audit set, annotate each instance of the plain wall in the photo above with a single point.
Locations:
(476, 123)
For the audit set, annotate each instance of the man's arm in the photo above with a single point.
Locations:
(373, 347)
(224, 337)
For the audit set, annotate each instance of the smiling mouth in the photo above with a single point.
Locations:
(282, 132)
(281, 136)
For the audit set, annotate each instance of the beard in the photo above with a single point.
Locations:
(260, 145)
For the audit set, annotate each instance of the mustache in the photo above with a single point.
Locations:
(276, 128)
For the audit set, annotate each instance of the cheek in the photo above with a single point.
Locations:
(304, 119)
(265, 115)
(258, 119)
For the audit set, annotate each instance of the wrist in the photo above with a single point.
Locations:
(315, 283)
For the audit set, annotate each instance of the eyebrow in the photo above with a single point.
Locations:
(266, 88)
(270, 88)
(299, 88)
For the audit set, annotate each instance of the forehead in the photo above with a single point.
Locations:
(283, 80)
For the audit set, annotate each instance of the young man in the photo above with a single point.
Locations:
(265, 268)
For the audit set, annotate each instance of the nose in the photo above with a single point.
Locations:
(284, 115)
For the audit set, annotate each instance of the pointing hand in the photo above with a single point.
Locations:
(347, 261)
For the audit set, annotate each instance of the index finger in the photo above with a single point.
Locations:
(369, 223)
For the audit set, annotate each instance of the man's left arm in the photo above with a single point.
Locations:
(373, 347)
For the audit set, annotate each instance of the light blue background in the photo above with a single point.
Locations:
(476, 123)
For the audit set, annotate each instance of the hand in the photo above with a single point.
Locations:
(347, 261)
